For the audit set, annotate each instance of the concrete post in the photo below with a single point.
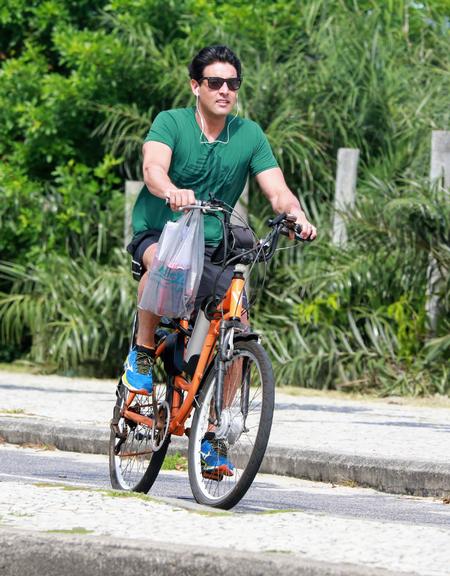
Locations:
(132, 189)
(440, 157)
(439, 176)
(346, 175)
(242, 206)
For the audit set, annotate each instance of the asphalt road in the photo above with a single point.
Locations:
(267, 493)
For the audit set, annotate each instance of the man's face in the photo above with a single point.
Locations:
(217, 102)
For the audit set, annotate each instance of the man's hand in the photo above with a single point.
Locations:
(179, 197)
(309, 231)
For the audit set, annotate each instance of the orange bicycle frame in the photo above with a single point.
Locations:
(229, 309)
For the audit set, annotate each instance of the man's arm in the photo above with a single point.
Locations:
(275, 189)
(155, 167)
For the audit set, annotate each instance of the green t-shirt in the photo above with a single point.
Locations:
(213, 168)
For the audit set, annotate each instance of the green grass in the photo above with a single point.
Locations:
(103, 491)
(175, 462)
(75, 530)
(124, 494)
(347, 483)
(134, 495)
(282, 511)
(38, 446)
(13, 367)
(24, 367)
(48, 485)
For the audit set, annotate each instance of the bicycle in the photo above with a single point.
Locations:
(219, 371)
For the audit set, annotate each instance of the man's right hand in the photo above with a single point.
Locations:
(179, 197)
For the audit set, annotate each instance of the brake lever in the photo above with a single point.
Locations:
(297, 229)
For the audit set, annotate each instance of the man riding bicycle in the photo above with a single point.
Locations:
(190, 153)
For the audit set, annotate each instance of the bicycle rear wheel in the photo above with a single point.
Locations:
(246, 420)
(134, 463)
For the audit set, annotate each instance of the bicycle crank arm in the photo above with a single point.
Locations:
(138, 418)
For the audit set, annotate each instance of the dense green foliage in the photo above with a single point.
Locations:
(80, 82)
(359, 318)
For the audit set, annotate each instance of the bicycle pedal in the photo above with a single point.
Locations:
(215, 475)
(115, 428)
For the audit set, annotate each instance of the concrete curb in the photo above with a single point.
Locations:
(397, 476)
(54, 554)
(87, 439)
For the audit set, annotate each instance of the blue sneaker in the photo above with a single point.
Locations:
(215, 463)
(137, 376)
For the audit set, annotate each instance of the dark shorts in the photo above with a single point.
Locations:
(210, 271)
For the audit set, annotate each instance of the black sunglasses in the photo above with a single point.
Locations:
(215, 82)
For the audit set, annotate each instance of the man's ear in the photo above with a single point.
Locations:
(195, 87)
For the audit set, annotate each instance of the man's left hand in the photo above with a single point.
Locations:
(308, 232)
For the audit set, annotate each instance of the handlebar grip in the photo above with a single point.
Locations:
(297, 229)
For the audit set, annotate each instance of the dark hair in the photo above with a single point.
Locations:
(212, 54)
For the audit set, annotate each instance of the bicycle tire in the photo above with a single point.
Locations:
(133, 473)
(247, 435)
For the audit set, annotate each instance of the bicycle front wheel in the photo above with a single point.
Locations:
(135, 458)
(240, 438)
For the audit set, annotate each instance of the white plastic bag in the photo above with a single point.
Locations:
(177, 267)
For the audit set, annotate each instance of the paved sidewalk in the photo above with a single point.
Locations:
(76, 531)
(387, 446)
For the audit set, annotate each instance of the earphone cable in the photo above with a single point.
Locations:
(203, 139)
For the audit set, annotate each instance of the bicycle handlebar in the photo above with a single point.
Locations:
(206, 206)
(283, 224)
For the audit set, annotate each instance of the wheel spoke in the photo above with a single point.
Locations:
(137, 464)
(243, 433)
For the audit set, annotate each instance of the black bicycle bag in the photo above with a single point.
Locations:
(240, 239)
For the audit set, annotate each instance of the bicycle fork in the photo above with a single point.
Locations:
(226, 348)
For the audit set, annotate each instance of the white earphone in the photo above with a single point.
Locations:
(203, 139)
